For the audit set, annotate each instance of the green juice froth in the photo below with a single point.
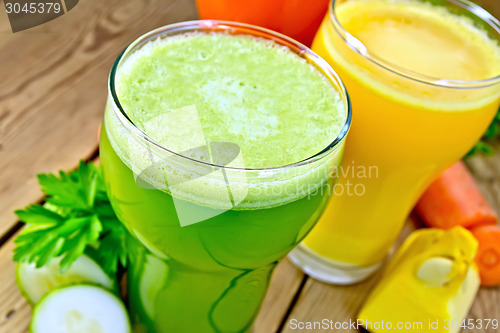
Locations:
(273, 104)
(252, 92)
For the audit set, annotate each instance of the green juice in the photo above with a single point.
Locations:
(207, 239)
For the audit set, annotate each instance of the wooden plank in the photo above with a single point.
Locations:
(283, 288)
(341, 303)
(53, 103)
(15, 313)
(487, 173)
(53, 88)
(316, 302)
(319, 301)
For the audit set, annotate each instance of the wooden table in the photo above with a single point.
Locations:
(52, 93)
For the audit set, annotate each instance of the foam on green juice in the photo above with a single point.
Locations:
(278, 108)
(275, 106)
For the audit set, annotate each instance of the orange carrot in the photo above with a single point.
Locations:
(454, 199)
(488, 254)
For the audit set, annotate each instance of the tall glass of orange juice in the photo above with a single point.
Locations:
(424, 80)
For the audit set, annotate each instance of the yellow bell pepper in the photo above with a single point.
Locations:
(428, 286)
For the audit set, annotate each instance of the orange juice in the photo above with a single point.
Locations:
(424, 85)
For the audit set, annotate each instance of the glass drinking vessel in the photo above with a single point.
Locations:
(199, 263)
(423, 77)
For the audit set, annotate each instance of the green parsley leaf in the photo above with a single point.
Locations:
(111, 250)
(77, 217)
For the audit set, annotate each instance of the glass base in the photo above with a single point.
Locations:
(328, 270)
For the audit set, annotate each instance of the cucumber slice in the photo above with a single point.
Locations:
(36, 282)
(81, 308)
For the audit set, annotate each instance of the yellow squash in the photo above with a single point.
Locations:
(428, 286)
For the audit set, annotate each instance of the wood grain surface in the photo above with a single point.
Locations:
(52, 94)
(53, 98)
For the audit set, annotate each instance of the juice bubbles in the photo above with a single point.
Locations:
(298, 19)
(210, 165)
(424, 85)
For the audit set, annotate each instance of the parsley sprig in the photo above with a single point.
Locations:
(76, 217)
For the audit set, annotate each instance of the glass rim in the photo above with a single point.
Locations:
(220, 25)
(357, 46)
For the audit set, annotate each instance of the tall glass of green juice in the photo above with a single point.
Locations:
(220, 148)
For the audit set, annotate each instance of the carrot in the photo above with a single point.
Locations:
(488, 254)
(454, 199)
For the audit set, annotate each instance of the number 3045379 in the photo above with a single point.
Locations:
(33, 8)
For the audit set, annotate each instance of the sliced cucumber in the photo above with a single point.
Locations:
(36, 282)
(80, 308)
